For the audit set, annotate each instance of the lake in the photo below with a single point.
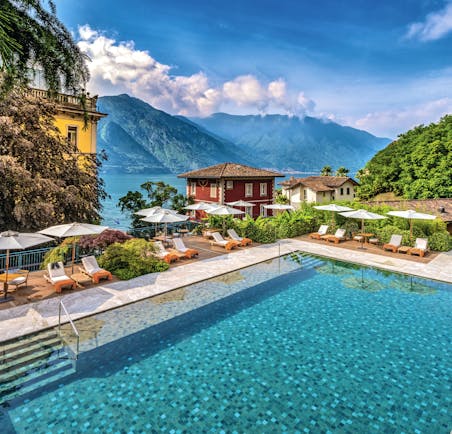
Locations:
(118, 185)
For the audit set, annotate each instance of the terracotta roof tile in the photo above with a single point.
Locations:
(319, 183)
(230, 170)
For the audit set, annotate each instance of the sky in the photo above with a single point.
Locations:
(381, 66)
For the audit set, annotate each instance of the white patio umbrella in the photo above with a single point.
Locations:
(165, 216)
(280, 207)
(240, 203)
(154, 210)
(224, 210)
(11, 240)
(73, 230)
(411, 214)
(333, 208)
(200, 206)
(362, 214)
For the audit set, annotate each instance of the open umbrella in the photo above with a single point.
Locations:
(279, 207)
(411, 214)
(224, 210)
(333, 208)
(11, 240)
(201, 206)
(73, 230)
(165, 216)
(362, 214)
(154, 210)
(241, 203)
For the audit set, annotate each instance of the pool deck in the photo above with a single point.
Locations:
(22, 320)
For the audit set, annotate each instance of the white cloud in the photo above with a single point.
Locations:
(435, 26)
(395, 122)
(118, 67)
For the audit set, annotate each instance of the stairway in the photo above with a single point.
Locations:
(31, 362)
(305, 260)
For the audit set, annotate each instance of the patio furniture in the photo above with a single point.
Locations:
(180, 247)
(243, 241)
(81, 279)
(18, 277)
(218, 240)
(336, 238)
(317, 235)
(207, 233)
(374, 241)
(164, 254)
(92, 269)
(403, 249)
(58, 277)
(394, 243)
(420, 247)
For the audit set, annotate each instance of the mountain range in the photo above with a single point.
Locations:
(141, 139)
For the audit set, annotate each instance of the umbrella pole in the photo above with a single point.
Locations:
(411, 230)
(73, 256)
(5, 284)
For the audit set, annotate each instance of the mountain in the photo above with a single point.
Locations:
(296, 144)
(140, 139)
(418, 165)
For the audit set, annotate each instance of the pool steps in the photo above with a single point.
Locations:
(32, 362)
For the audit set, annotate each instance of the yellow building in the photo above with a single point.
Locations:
(70, 120)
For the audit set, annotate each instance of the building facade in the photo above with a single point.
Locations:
(318, 189)
(79, 126)
(230, 182)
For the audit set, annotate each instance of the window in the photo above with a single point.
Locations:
(342, 191)
(249, 211)
(263, 189)
(305, 194)
(213, 190)
(229, 185)
(324, 194)
(72, 135)
(249, 189)
(193, 188)
(348, 190)
(263, 210)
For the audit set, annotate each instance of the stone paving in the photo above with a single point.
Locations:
(30, 318)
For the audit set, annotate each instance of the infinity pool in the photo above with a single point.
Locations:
(298, 344)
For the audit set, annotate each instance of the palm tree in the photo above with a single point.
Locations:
(32, 37)
(342, 171)
(326, 171)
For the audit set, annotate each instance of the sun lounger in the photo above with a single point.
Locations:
(218, 240)
(164, 254)
(185, 251)
(22, 279)
(336, 238)
(243, 241)
(91, 268)
(420, 247)
(322, 231)
(58, 277)
(394, 243)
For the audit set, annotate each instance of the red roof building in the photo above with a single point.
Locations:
(230, 182)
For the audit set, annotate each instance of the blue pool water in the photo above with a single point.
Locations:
(330, 349)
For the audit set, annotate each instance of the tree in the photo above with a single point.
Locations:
(326, 171)
(342, 171)
(32, 37)
(158, 194)
(44, 178)
(418, 165)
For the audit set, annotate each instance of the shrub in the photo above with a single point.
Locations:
(103, 240)
(440, 241)
(59, 253)
(131, 259)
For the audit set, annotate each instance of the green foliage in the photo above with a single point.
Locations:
(342, 171)
(60, 252)
(158, 194)
(418, 165)
(440, 241)
(131, 259)
(280, 197)
(45, 180)
(31, 34)
(326, 171)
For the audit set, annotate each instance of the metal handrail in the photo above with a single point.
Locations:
(61, 305)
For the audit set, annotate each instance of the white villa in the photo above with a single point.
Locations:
(318, 189)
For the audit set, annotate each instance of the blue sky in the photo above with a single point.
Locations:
(381, 66)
